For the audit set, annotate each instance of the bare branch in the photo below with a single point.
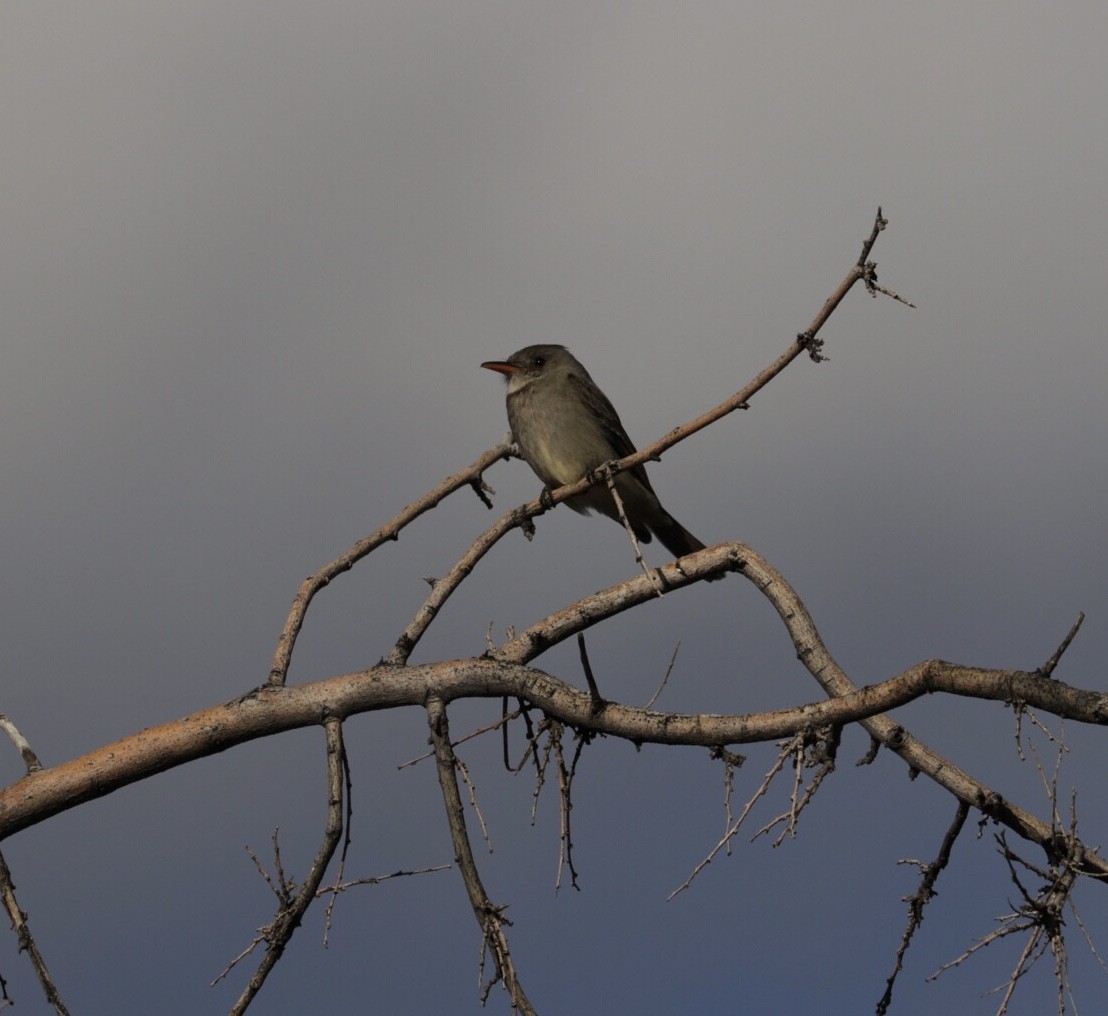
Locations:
(490, 918)
(811, 732)
(444, 587)
(1047, 669)
(347, 826)
(594, 691)
(811, 749)
(462, 768)
(1021, 709)
(923, 895)
(267, 711)
(565, 790)
(23, 746)
(870, 267)
(1041, 915)
(341, 887)
(729, 767)
(470, 476)
(732, 830)
(590, 610)
(879, 224)
(27, 942)
(551, 729)
(610, 480)
(503, 721)
(292, 909)
(665, 677)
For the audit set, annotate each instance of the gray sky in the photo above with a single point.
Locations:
(252, 256)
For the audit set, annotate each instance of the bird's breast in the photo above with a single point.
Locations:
(557, 436)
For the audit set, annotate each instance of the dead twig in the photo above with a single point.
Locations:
(610, 479)
(811, 749)
(565, 792)
(923, 895)
(733, 828)
(665, 677)
(594, 691)
(292, 905)
(1041, 915)
(488, 728)
(22, 745)
(1047, 669)
(27, 944)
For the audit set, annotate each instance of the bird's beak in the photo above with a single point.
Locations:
(501, 367)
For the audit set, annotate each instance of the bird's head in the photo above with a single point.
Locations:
(531, 363)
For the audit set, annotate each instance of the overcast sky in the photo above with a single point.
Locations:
(252, 256)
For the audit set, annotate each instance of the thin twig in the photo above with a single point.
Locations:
(1021, 710)
(552, 729)
(27, 942)
(341, 887)
(610, 478)
(665, 677)
(733, 829)
(1041, 916)
(565, 788)
(1047, 669)
(472, 788)
(923, 895)
(488, 728)
(594, 691)
(23, 746)
(812, 749)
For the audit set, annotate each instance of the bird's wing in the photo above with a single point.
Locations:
(605, 414)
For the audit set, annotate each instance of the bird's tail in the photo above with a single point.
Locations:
(676, 538)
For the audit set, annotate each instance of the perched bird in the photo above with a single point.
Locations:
(565, 426)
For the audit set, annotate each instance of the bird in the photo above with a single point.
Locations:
(565, 427)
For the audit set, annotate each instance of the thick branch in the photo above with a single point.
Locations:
(271, 710)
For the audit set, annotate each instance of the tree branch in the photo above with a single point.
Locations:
(286, 642)
(490, 918)
(291, 909)
(930, 872)
(270, 710)
(27, 941)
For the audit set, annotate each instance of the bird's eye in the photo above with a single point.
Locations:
(538, 361)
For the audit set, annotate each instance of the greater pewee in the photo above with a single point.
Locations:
(565, 426)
